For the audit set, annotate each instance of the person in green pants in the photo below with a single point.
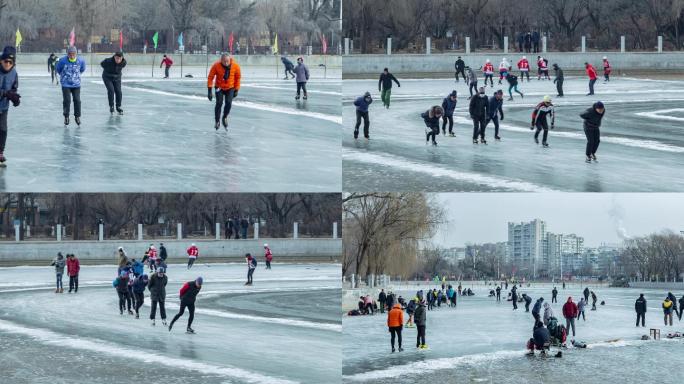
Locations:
(385, 86)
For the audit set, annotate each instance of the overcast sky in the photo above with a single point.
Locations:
(598, 217)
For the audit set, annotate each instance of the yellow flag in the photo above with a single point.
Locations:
(275, 45)
(19, 38)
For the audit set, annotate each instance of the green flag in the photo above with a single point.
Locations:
(155, 38)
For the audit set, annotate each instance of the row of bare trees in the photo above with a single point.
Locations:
(656, 257)
(486, 22)
(46, 23)
(121, 212)
(383, 231)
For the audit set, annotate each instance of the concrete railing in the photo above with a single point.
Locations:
(283, 249)
(657, 285)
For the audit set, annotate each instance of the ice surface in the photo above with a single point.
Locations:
(642, 140)
(284, 329)
(166, 139)
(484, 341)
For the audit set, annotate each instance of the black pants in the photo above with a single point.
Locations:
(536, 47)
(113, 90)
(396, 333)
(191, 261)
(542, 125)
(591, 86)
(524, 74)
(67, 95)
(495, 120)
(432, 132)
(420, 338)
(527, 307)
(559, 87)
(250, 272)
(53, 75)
(472, 86)
(479, 125)
(491, 79)
(301, 85)
(3, 130)
(162, 310)
(498, 297)
(223, 97)
(124, 299)
(268, 264)
(450, 119)
(139, 300)
(166, 71)
(366, 124)
(73, 283)
(606, 76)
(382, 307)
(528, 47)
(191, 310)
(289, 71)
(515, 303)
(554, 299)
(593, 140)
(536, 316)
(641, 316)
(460, 71)
(581, 313)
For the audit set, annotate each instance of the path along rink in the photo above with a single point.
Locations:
(166, 139)
(283, 329)
(641, 150)
(482, 341)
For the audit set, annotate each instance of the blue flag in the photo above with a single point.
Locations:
(180, 39)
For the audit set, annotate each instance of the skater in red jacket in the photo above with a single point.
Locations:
(167, 63)
(591, 72)
(606, 70)
(570, 311)
(188, 294)
(193, 254)
(73, 267)
(524, 68)
(268, 255)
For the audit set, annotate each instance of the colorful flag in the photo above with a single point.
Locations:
(72, 37)
(120, 40)
(19, 38)
(155, 39)
(231, 39)
(324, 43)
(180, 40)
(223, 44)
(275, 45)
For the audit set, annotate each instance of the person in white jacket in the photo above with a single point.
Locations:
(503, 69)
(548, 313)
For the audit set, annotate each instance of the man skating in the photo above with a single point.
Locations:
(539, 121)
(606, 70)
(9, 84)
(591, 72)
(362, 103)
(543, 68)
(498, 293)
(479, 110)
(449, 106)
(488, 70)
(420, 319)
(558, 80)
(431, 119)
(494, 111)
(167, 63)
(251, 266)
(512, 85)
(385, 86)
(157, 287)
(52, 62)
(472, 81)
(302, 76)
(59, 264)
(111, 76)
(592, 123)
(524, 68)
(73, 268)
(70, 68)
(188, 294)
(224, 77)
(554, 295)
(288, 67)
(503, 69)
(193, 254)
(268, 255)
(139, 285)
(459, 65)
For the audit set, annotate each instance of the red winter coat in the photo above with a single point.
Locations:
(268, 255)
(570, 309)
(523, 65)
(591, 72)
(606, 67)
(73, 266)
(488, 68)
(193, 251)
(167, 61)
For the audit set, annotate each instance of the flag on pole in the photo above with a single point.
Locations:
(324, 43)
(155, 39)
(275, 45)
(19, 38)
(223, 43)
(231, 39)
(120, 40)
(72, 37)
(180, 40)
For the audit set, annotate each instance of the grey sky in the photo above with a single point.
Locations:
(483, 217)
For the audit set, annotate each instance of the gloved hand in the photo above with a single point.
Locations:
(210, 94)
(501, 117)
(14, 97)
(552, 126)
(235, 94)
(531, 127)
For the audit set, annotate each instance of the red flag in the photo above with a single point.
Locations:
(72, 37)
(230, 42)
(324, 43)
(120, 41)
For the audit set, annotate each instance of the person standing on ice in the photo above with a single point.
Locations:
(514, 297)
(302, 73)
(495, 110)
(9, 80)
(152, 257)
(592, 123)
(512, 85)
(668, 306)
(59, 264)
(73, 267)
(121, 285)
(111, 76)
(606, 70)
(559, 79)
(681, 307)
(543, 68)
(593, 301)
(288, 67)
(536, 310)
(479, 110)
(385, 86)
(395, 322)
(51, 62)
(362, 103)
(539, 122)
(382, 299)
(70, 68)
(420, 319)
(586, 294)
(193, 254)
(640, 308)
(503, 69)
(224, 77)
(460, 67)
(570, 312)
(554, 295)
(251, 266)
(524, 68)
(498, 293)
(268, 255)
(472, 81)
(162, 252)
(528, 301)
(188, 294)
(580, 309)
(167, 63)
(488, 70)
(431, 119)
(157, 287)
(139, 285)
(449, 105)
(673, 298)
(591, 72)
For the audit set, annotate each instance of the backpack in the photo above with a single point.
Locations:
(254, 260)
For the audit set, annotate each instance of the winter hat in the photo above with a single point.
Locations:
(265, 245)
(453, 93)
(385, 70)
(120, 54)
(199, 280)
(72, 49)
(500, 92)
(524, 57)
(9, 52)
(605, 58)
(248, 255)
(161, 270)
(487, 61)
(59, 255)
(598, 104)
(367, 94)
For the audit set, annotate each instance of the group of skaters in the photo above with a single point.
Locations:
(669, 306)
(73, 267)
(484, 109)
(300, 73)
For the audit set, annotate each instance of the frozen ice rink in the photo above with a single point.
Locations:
(283, 329)
(482, 341)
(166, 139)
(641, 150)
